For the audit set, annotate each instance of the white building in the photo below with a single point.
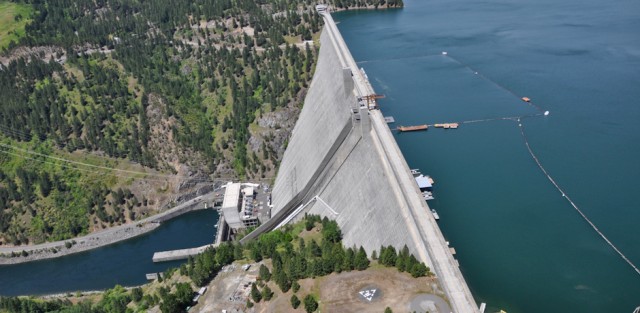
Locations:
(237, 207)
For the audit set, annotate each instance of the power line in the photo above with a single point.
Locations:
(86, 164)
(83, 169)
(70, 164)
(25, 137)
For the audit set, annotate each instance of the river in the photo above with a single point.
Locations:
(124, 263)
(522, 247)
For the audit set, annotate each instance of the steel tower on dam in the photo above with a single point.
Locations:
(342, 162)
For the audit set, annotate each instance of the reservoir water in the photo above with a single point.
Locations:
(124, 263)
(522, 247)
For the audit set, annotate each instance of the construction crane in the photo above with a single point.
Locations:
(371, 100)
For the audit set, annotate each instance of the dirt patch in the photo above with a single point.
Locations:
(229, 290)
(342, 292)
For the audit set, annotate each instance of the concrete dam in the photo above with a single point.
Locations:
(342, 162)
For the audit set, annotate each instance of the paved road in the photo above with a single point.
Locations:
(429, 303)
(103, 237)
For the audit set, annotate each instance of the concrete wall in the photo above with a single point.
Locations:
(334, 156)
(324, 116)
(343, 162)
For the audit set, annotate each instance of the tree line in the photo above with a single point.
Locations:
(292, 257)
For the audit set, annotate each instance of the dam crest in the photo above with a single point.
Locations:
(342, 162)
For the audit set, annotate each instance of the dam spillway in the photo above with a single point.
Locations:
(342, 162)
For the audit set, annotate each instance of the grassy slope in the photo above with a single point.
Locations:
(10, 29)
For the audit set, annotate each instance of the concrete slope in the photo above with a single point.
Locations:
(343, 162)
(324, 116)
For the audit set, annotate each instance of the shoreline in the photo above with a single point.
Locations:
(101, 238)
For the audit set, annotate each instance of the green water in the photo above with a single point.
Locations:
(521, 246)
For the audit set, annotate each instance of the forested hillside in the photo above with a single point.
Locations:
(310, 249)
(111, 108)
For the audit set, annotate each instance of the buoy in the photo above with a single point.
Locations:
(546, 113)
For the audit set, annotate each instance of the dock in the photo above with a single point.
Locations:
(181, 254)
(154, 276)
(447, 125)
(413, 128)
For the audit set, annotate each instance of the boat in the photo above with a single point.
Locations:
(413, 128)
(525, 99)
(415, 171)
(435, 214)
(427, 195)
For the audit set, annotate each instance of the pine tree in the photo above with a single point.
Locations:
(267, 294)
(295, 302)
(348, 263)
(255, 294)
(310, 304)
(265, 275)
(361, 261)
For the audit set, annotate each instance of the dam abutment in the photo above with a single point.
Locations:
(342, 162)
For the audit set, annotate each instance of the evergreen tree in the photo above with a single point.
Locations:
(310, 304)
(295, 302)
(136, 294)
(314, 249)
(265, 275)
(361, 261)
(403, 259)
(256, 296)
(308, 224)
(348, 262)
(267, 294)
(388, 256)
(331, 232)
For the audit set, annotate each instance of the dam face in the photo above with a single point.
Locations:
(343, 163)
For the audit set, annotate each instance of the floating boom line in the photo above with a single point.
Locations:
(491, 81)
(411, 57)
(564, 195)
(491, 119)
(533, 156)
